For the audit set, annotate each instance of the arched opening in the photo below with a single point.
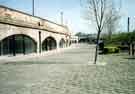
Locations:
(68, 43)
(18, 44)
(62, 43)
(49, 44)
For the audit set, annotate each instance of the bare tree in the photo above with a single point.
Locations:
(112, 23)
(98, 10)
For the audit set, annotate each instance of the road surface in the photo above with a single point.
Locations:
(68, 72)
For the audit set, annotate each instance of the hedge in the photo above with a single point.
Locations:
(108, 50)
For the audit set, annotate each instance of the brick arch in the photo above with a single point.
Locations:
(49, 43)
(62, 43)
(18, 44)
(25, 34)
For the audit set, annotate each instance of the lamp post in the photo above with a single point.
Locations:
(131, 44)
(33, 7)
(128, 24)
(61, 18)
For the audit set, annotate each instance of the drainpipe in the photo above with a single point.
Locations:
(40, 45)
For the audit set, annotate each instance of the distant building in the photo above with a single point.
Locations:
(74, 39)
(87, 38)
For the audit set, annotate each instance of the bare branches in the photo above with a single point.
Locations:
(98, 8)
(101, 11)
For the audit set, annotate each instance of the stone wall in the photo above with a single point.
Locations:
(15, 17)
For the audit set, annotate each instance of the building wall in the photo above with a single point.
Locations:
(13, 22)
(19, 18)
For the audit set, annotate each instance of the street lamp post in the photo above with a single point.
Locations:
(128, 24)
(33, 7)
(61, 18)
(131, 44)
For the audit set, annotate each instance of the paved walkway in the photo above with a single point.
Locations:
(63, 74)
(72, 55)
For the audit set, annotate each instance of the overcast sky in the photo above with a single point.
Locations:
(73, 12)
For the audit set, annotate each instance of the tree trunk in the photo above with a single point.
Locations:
(96, 52)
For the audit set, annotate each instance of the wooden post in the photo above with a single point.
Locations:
(128, 29)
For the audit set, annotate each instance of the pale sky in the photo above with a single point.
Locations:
(73, 12)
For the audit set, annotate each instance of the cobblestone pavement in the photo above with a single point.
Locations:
(68, 72)
(76, 54)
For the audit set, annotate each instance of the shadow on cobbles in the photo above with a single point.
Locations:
(38, 63)
(130, 58)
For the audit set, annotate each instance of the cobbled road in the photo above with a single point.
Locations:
(68, 72)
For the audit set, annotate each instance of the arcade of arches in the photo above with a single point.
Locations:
(23, 44)
(21, 33)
